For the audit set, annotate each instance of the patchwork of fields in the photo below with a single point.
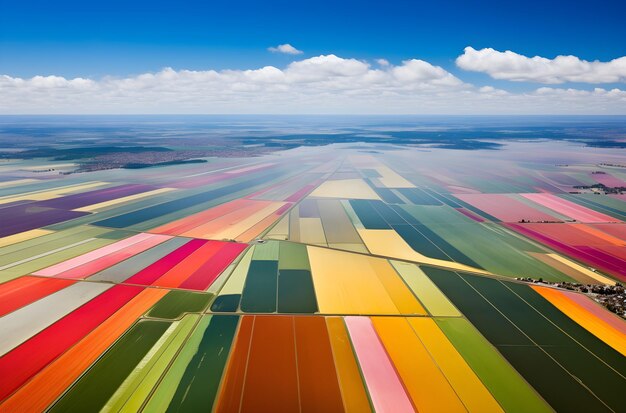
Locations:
(319, 279)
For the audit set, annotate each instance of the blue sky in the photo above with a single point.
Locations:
(121, 38)
(79, 38)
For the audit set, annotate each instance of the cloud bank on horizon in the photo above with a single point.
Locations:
(333, 84)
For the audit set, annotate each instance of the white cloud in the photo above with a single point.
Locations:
(321, 84)
(325, 67)
(419, 71)
(574, 93)
(382, 62)
(509, 65)
(285, 48)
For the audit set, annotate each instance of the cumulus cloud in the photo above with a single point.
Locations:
(325, 67)
(509, 65)
(285, 48)
(574, 93)
(419, 71)
(320, 84)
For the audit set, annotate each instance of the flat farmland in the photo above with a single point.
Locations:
(344, 277)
